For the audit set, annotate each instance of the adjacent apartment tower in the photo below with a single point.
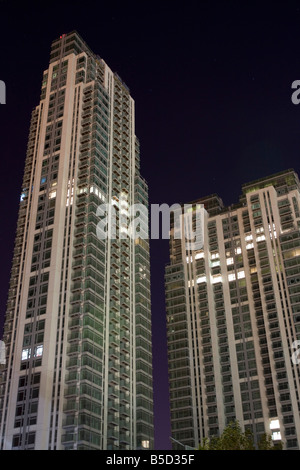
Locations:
(233, 314)
(78, 371)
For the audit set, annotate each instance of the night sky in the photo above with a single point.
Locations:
(212, 87)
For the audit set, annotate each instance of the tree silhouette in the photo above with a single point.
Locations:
(232, 438)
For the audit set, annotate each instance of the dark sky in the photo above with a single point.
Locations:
(212, 86)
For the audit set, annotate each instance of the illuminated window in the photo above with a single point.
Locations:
(231, 277)
(261, 238)
(38, 351)
(146, 444)
(216, 279)
(201, 279)
(215, 263)
(248, 238)
(276, 436)
(249, 246)
(199, 255)
(229, 261)
(26, 354)
(241, 275)
(274, 424)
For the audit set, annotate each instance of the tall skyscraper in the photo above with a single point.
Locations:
(78, 371)
(233, 313)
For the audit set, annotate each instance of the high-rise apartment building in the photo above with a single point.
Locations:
(233, 314)
(78, 371)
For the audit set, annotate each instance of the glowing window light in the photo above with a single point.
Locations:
(261, 238)
(229, 261)
(201, 279)
(199, 255)
(249, 246)
(26, 354)
(274, 424)
(238, 250)
(216, 279)
(231, 277)
(276, 436)
(241, 275)
(248, 238)
(215, 263)
(38, 351)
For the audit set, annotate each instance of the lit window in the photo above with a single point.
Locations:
(215, 263)
(25, 354)
(249, 246)
(201, 279)
(238, 251)
(145, 444)
(261, 238)
(52, 194)
(248, 238)
(199, 255)
(38, 351)
(276, 436)
(215, 255)
(274, 424)
(241, 275)
(231, 277)
(229, 261)
(216, 279)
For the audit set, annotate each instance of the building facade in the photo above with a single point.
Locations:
(78, 372)
(233, 317)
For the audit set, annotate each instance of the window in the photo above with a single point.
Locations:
(26, 354)
(38, 351)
